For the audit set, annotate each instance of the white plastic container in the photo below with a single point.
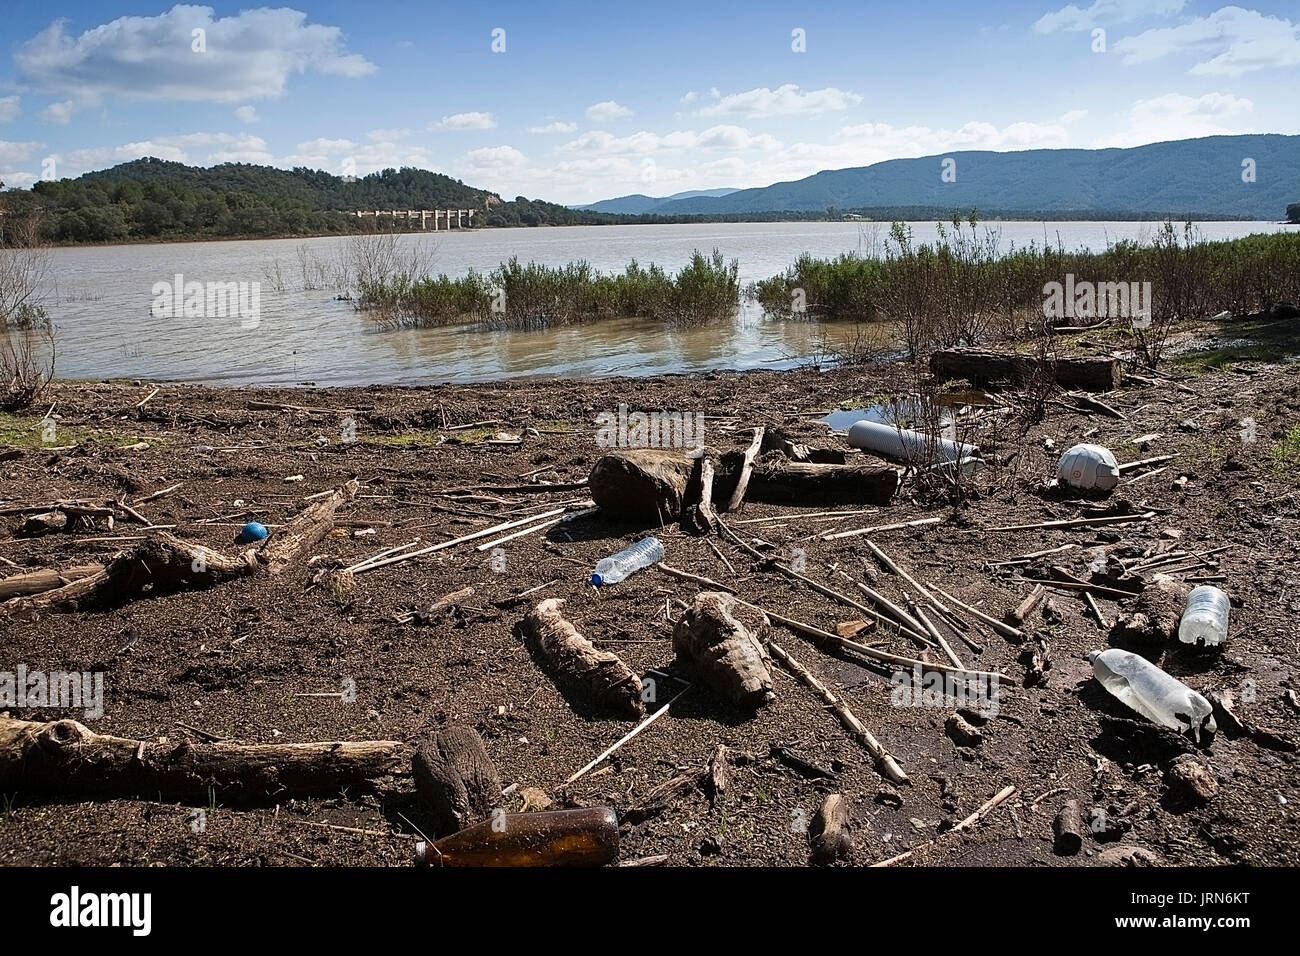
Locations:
(903, 444)
(619, 566)
(1205, 620)
(1157, 696)
(1088, 468)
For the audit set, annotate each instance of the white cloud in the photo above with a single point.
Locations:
(248, 56)
(473, 120)
(11, 152)
(607, 111)
(645, 143)
(1241, 41)
(383, 150)
(1177, 116)
(8, 108)
(15, 179)
(388, 135)
(690, 96)
(555, 127)
(58, 114)
(496, 157)
(1105, 13)
(247, 114)
(786, 100)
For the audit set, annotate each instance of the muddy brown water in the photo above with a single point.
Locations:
(101, 297)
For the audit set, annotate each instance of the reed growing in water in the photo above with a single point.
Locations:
(533, 296)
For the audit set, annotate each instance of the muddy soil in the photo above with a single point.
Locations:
(239, 660)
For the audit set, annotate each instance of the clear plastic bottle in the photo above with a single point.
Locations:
(1152, 693)
(616, 567)
(1205, 620)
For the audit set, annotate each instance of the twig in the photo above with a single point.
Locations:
(1004, 629)
(628, 736)
(693, 578)
(746, 469)
(970, 821)
(881, 527)
(1068, 523)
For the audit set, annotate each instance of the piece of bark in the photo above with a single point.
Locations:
(597, 677)
(44, 579)
(39, 525)
(641, 484)
(66, 759)
(698, 513)
(961, 732)
(456, 777)
(830, 835)
(665, 796)
(982, 367)
(1067, 830)
(1191, 782)
(1017, 616)
(721, 638)
(719, 775)
(159, 565)
(304, 531)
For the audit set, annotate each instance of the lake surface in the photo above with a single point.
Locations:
(102, 298)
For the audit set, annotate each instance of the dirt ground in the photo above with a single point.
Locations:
(237, 660)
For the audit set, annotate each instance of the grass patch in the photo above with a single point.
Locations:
(1216, 360)
(1286, 454)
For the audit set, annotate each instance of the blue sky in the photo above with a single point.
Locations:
(592, 100)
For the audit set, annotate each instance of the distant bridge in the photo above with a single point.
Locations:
(459, 218)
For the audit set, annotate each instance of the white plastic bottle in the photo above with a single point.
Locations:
(616, 567)
(1205, 620)
(1152, 693)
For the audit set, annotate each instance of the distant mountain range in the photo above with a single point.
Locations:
(1202, 176)
(639, 205)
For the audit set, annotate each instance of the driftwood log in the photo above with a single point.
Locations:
(790, 482)
(721, 639)
(641, 484)
(831, 836)
(698, 514)
(161, 564)
(305, 531)
(596, 678)
(67, 759)
(44, 579)
(1067, 830)
(982, 367)
(456, 777)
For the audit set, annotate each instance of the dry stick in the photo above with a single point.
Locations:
(970, 821)
(842, 598)
(932, 630)
(1083, 586)
(813, 514)
(1147, 474)
(159, 494)
(898, 569)
(893, 610)
(1027, 606)
(693, 578)
(629, 735)
(517, 534)
(145, 401)
(746, 469)
(721, 557)
(885, 761)
(450, 599)
(382, 554)
(1029, 557)
(1130, 465)
(871, 652)
(1092, 603)
(881, 527)
(1067, 523)
(463, 539)
(1004, 629)
(1089, 402)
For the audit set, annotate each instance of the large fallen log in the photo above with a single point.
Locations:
(594, 677)
(721, 639)
(160, 564)
(66, 759)
(650, 485)
(44, 579)
(982, 367)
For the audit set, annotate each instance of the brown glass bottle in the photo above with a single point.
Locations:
(587, 837)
